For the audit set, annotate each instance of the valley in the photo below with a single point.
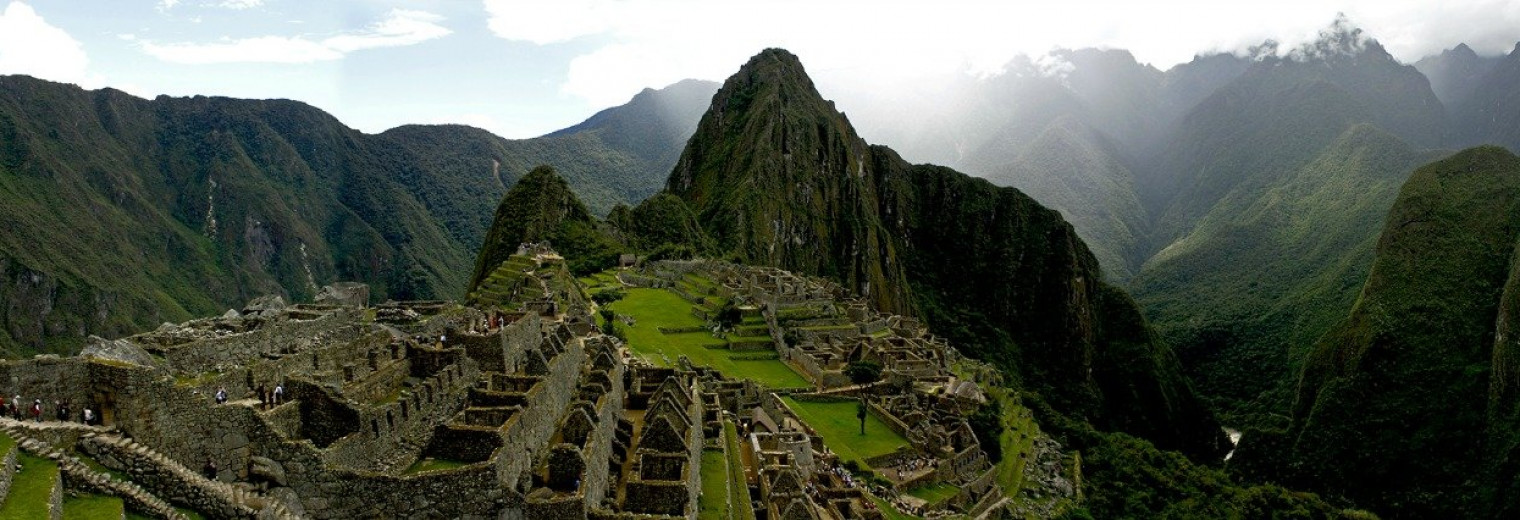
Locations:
(1272, 283)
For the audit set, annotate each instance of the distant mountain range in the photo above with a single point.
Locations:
(1235, 195)
(121, 213)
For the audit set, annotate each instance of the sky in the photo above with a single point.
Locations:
(522, 68)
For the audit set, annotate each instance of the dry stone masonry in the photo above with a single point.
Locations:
(515, 407)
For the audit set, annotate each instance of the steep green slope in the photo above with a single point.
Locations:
(1268, 271)
(1076, 170)
(542, 208)
(121, 213)
(778, 177)
(1263, 204)
(1394, 403)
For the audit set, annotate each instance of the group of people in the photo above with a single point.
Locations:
(63, 410)
(268, 397)
(918, 463)
(271, 397)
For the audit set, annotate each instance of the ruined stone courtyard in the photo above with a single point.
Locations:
(516, 404)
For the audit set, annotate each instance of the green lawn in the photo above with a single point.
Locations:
(92, 507)
(837, 423)
(713, 504)
(738, 489)
(889, 512)
(935, 493)
(433, 464)
(655, 308)
(30, 490)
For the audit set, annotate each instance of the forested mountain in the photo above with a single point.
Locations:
(1232, 194)
(121, 213)
(773, 172)
(1408, 405)
(779, 177)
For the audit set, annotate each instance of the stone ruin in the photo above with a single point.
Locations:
(514, 407)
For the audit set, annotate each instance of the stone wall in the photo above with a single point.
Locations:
(49, 379)
(7, 471)
(391, 434)
(273, 338)
(165, 480)
(527, 434)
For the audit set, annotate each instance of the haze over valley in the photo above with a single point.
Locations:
(1042, 271)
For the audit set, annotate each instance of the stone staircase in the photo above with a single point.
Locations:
(146, 467)
(80, 476)
(170, 478)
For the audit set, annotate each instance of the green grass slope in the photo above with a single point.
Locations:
(1268, 271)
(1395, 404)
(119, 213)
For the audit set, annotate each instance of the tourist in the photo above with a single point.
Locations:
(16, 406)
(221, 395)
(210, 470)
(89, 416)
(279, 394)
(263, 396)
(37, 410)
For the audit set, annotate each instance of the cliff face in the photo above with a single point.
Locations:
(779, 177)
(1408, 406)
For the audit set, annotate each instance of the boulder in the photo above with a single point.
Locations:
(349, 294)
(117, 350)
(263, 304)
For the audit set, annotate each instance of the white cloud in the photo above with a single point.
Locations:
(29, 45)
(240, 4)
(165, 5)
(401, 27)
(878, 43)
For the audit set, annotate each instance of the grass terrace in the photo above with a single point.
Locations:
(713, 503)
(30, 489)
(837, 423)
(653, 309)
(92, 507)
(738, 487)
(935, 493)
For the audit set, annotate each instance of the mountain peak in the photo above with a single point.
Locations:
(1342, 39)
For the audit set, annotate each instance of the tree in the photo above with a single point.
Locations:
(863, 372)
(987, 424)
(728, 316)
(861, 412)
(606, 296)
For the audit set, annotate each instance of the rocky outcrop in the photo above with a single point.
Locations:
(779, 177)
